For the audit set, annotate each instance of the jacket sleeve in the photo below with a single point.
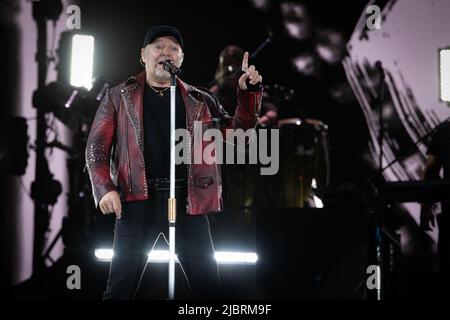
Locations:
(246, 114)
(98, 148)
(248, 109)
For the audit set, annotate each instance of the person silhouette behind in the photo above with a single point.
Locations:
(438, 157)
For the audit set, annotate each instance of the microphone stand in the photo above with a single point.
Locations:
(172, 209)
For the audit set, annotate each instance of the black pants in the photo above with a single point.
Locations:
(137, 230)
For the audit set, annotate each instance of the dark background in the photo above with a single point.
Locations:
(333, 241)
(207, 27)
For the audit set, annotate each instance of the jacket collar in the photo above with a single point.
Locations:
(139, 80)
(192, 96)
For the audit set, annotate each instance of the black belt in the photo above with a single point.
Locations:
(156, 184)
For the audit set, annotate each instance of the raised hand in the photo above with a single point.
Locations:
(249, 73)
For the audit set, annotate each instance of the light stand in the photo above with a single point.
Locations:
(42, 12)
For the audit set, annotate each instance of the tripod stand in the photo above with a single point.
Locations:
(44, 190)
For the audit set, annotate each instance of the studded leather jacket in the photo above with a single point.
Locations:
(115, 148)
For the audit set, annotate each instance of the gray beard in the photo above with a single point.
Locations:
(162, 75)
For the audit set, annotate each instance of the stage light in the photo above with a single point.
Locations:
(305, 63)
(293, 30)
(75, 59)
(104, 254)
(155, 256)
(82, 61)
(162, 256)
(444, 74)
(296, 20)
(227, 257)
(263, 5)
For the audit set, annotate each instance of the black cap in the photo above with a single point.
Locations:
(160, 31)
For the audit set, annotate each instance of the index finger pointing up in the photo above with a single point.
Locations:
(245, 62)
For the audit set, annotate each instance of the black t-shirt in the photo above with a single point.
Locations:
(440, 147)
(157, 132)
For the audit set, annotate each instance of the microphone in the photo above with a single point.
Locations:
(171, 68)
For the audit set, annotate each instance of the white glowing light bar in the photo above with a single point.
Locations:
(226, 257)
(82, 61)
(160, 256)
(153, 256)
(104, 254)
(444, 74)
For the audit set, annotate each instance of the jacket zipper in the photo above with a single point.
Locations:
(128, 155)
(189, 167)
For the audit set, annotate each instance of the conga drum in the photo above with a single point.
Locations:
(303, 160)
(239, 181)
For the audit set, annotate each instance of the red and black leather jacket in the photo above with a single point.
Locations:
(115, 147)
